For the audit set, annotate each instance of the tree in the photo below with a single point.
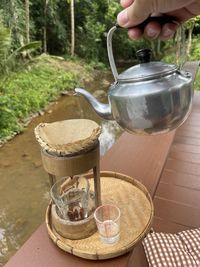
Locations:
(5, 42)
(45, 26)
(27, 17)
(13, 14)
(72, 27)
(190, 25)
(67, 27)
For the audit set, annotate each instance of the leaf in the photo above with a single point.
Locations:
(30, 46)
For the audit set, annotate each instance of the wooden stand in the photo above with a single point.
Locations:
(74, 165)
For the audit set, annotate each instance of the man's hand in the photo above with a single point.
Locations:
(137, 11)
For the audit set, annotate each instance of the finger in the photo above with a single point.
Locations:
(126, 3)
(135, 33)
(139, 10)
(168, 31)
(182, 14)
(152, 30)
(194, 8)
(134, 14)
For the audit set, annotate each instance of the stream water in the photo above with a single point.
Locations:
(24, 186)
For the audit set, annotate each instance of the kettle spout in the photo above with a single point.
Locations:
(103, 110)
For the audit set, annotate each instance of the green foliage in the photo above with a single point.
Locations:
(13, 16)
(28, 91)
(90, 24)
(8, 59)
(197, 82)
(57, 24)
(5, 41)
(93, 19)
(97, 19)
(195, 56)
(170, 56)
(195, 53)
(91, 47)
(11, 61)
(193, 23)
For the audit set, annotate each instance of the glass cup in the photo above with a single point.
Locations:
(71, 197)
(107, 218)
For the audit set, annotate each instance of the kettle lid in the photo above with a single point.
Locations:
(147, 69)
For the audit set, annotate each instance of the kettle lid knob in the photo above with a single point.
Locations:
(144, 55)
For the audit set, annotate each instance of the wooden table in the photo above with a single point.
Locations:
(144, 158)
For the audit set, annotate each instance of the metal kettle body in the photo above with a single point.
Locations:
(154, 106)
(149, 98)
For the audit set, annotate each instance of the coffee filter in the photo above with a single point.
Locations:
(68, 137)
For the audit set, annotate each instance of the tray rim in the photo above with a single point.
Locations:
(119, 252)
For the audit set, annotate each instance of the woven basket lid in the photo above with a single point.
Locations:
(68, 137)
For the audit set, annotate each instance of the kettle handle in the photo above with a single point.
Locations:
(160, 19)
(110, 52)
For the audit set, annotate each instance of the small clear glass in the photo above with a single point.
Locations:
(107, 218)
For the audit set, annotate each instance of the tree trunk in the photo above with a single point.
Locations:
(153, 48)
(72, 28)
(179, 46)
(158, 49)
(45, 27)
(18, 36)
(27, 18)
(189, 44)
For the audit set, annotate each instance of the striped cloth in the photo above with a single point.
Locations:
(173, 250)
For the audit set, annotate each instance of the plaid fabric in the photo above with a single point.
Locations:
(191, 239)
(173, 250)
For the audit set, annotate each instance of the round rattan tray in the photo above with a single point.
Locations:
(136, 209)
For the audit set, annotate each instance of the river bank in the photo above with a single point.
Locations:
(27, 92)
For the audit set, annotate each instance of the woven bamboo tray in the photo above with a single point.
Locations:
(136, 209)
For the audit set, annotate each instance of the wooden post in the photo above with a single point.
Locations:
(52, 179)
(97, 185)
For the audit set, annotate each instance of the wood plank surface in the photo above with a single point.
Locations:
(179, 194)
(170, 227)
(181, 179)
(176, 212)
(177, 199)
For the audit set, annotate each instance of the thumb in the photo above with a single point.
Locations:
(134, 14)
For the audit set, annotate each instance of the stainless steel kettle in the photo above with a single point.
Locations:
(148, 98)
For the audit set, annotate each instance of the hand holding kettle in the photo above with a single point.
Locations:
(149, 98)
(137, 11)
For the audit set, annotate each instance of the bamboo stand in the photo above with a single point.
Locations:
(61, 166)
(71, 148)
